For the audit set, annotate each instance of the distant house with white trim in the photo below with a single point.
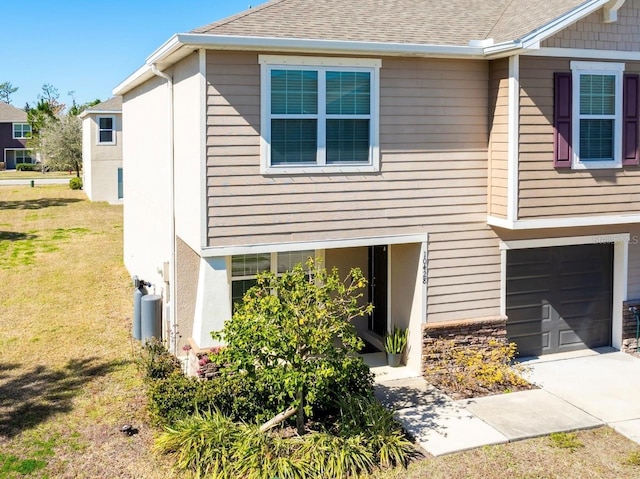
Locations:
(14, 132)
(102, 151)
(478, 160)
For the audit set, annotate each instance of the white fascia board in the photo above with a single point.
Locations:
(217, 251)
(99, 112)
(616, 55)
(136, 78)
(569, 222)
(233, 42)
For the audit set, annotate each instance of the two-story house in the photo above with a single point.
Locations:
(478, 160)
(102, 151)
(14, 132)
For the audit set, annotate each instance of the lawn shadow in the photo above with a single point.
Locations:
(15, 236)
(36, 204)
(39, 392)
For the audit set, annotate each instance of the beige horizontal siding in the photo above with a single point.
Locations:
(592, 33)
(433, 178)
(498, 137)
(633, 278)
(546, 192)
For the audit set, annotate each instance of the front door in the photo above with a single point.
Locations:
(378, 282)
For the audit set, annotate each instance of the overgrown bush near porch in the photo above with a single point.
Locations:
(289, 359)
(472, 371)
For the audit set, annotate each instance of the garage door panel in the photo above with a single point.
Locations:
(529, 285)
(532, 342)
(587, 280)
(560, 300)
(528, 312)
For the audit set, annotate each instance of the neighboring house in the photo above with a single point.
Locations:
(478, 160)
(14, 132)
(102, 151)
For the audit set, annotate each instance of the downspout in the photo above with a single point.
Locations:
(172, 258)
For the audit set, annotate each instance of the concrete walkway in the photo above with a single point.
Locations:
(579, 391)
(36, 181)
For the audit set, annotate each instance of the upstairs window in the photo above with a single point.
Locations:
(21, 131)
(106, 130)
(319, 115)
(596, 116)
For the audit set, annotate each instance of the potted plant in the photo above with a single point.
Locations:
(394, 344)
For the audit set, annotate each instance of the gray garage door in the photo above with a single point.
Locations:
(559, 299)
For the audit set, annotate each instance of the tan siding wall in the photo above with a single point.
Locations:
(633, 279)
(592, 33)
(498, 136)
(545, 191)
(433, 179)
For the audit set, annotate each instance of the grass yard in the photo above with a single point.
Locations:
(68, 382)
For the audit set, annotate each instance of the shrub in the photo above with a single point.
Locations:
(27, 167)
(75, 183)
(296, 342)
(474, 370)
(211, 445)
(155, 361)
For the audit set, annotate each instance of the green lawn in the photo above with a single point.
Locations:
(68, 382)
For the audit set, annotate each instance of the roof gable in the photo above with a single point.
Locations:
(9, 113)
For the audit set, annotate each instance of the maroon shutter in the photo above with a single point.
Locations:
(562, 120)
(630, 119)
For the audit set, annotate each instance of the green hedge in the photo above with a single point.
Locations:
(27, 167)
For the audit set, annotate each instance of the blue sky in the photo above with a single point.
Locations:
(89, 47)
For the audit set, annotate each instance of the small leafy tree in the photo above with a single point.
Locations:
(297, 327)
(61, 143)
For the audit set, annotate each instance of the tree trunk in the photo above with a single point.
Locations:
(283, 416)
(300, 417)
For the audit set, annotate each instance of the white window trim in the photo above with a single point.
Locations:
(267, 62)
(113, 130)
(598, 68)
(30, 150)
(273, 268)
(13, 131)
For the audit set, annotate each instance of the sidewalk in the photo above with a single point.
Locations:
(575, 393)
(36, 181)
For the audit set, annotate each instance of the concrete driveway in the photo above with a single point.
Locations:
(576, 391)
(602, 383)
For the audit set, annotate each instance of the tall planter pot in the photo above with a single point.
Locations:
(394, 359)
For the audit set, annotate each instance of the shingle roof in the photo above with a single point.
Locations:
(434, 22)
(9, 113)
(112, 104)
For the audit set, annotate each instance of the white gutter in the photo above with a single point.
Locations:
(172, 258)
(98, 112)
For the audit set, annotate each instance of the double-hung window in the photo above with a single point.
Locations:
(319, 114)
(597, 114)
(106, 130)
(21, 131)
(245, 268)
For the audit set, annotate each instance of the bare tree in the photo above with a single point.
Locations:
(61, 143)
